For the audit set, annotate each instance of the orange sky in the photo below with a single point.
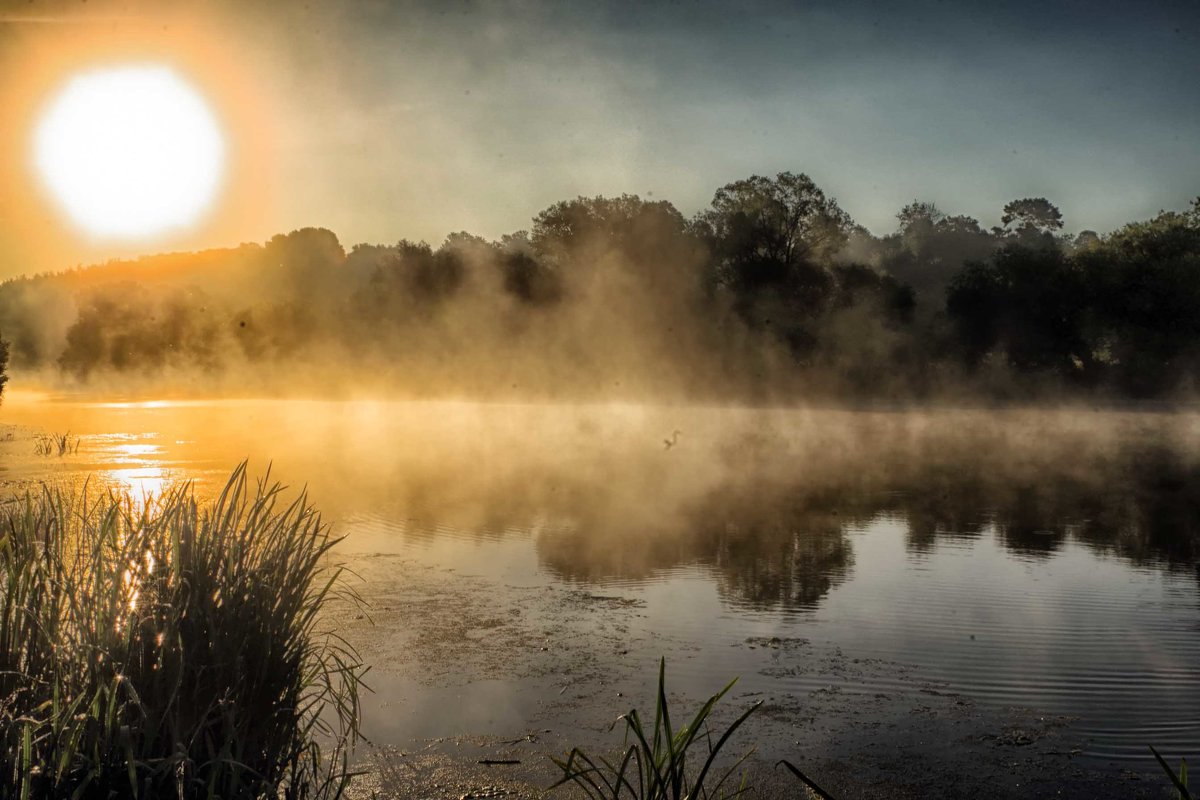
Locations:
(39, 52)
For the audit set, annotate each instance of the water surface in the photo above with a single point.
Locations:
(527, 563)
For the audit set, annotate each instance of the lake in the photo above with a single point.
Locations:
(911, 593)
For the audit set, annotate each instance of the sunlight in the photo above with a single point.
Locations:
(141, 484)
(131, 451)
(130, 152)
(137, 404)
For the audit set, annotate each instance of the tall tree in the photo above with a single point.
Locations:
(1032, 215)
(929, 247)
(772, 242)
(763, 228)
(3, 366)
(1146, 282)
(1030, 303)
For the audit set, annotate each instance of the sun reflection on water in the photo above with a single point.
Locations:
(141, 485)
(144, 479)
(135, 404)
(135, 450)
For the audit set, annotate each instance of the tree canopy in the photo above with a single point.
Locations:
(770, 288)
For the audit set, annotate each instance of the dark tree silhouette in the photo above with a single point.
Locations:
(1146, 282)
(771, 286)
(3, 365)
(1029, 303)
(525, 276)
(1085, 240)
(771, 244)
(930, 247)
(305, 264)
(765, 230)
(129, 330)
(1032, 213)
(645, 241)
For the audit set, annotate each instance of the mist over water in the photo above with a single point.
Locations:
(1040, 559)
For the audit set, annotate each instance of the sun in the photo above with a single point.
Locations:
(130, 152)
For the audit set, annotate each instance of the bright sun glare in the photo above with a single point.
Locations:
(130, 151)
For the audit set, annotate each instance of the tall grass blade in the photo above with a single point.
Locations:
(1180, 783)
(807, 781)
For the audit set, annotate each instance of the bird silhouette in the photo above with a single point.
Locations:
(669, 443)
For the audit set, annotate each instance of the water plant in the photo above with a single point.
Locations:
(59, 444)
(1178, 779)
(172, 648)
(659, 763)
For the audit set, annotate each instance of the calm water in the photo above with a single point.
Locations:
(516, 556)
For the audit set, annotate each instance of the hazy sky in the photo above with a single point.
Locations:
(392, 120)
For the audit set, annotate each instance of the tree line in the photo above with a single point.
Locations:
(771, 291)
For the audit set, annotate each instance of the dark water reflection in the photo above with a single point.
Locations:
(780, 545)
(770, 549)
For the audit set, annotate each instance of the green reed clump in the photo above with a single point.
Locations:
(59, 444)
(660, 763)
(170, 648)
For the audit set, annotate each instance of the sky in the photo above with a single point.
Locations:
(389, 120)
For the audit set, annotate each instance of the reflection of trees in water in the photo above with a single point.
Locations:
(765, 552)
(941, 504)
(767, 546)
(773, 548)
(764, 504)
(781, 563)
(1142, 504)
(785, 546)
(1153, 516)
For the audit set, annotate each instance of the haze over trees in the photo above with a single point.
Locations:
(771, 292)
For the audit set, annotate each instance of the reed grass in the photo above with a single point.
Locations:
(659, 764)
(172, 649)
(60, 444)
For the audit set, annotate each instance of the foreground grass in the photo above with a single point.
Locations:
(171, 648)
(660, 762)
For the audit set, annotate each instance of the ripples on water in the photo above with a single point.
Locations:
(1048, 560)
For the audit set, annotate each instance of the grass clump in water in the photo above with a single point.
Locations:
(660, 763)
(172, 649)
(57, 444)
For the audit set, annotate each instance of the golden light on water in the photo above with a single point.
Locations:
(130, 151)
(143, 480)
